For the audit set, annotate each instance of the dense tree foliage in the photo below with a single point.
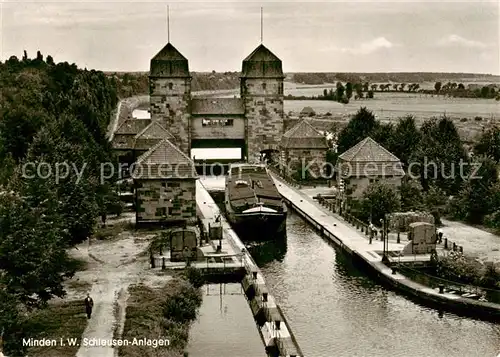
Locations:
(448, 180)
(362, 124)
(378, 200)
(54, 117)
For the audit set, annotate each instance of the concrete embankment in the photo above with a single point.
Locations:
(369, 255)
(273, 327)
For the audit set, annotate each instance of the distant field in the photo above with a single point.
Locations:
(384, 105)
(395, 105)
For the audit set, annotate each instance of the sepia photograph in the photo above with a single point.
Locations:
(249, 179)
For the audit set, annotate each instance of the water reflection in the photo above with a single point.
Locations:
(336, 310)
(266, 252)
(225, 326)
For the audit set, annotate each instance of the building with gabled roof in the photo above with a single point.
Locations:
(365, 163)
(124, 135)
(303, 145)
(165, 185)
(150, 136)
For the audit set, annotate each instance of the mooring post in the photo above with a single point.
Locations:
(371, 235)
(399, 238)
(446, 243)
(461, 248)
(441, 288)
(163, 266)
(454, 247)
(152, 259)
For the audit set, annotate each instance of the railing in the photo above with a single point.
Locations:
(205, 263)
(491, 295)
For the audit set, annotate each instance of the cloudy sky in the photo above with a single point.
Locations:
(330, 36)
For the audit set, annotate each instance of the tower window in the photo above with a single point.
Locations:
(263, 86)
(280, 89)
(170, 86)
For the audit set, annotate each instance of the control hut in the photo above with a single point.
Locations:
(184, 245)
(303, 144)
(165, 180)
(422, 237)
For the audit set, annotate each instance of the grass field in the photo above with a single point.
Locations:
(392, 105)
(63, 320)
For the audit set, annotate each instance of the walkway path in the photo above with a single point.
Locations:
(356, 243)
(115, 267)
(474, 240)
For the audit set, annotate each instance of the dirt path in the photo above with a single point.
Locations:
(113, 267)
(475, 241)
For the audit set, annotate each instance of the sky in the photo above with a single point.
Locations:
(328, 36)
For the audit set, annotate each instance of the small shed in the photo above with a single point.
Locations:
(307, 112)
(422, 236)
(183, 244)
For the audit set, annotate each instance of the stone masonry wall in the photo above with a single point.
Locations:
(314, 161)
(171, 107)
(264, 113)
(170, 199)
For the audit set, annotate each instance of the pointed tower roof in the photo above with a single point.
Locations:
(368, 150)
(262, 63)
(169, 62)
(165, 161)
(303, 136)
(368, 158)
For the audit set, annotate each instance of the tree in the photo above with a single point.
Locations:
(440, 155)
(475, 199)
(370, 94)
(361, 125)
(366, 86)
(411, 196)
(374, 87)
(395, 86)
(405, 140)
(402, 87)
(437, 86)
(33, 256)
(378, 200)
(348, 90)
(489, 144)
(461, 86)
(340, 91)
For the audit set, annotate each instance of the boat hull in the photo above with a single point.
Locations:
(258, 226)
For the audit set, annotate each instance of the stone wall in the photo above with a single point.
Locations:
(357, 186)
(264, 113)
(166, 199)
(311, 159)
(402, 220)
(171, 107)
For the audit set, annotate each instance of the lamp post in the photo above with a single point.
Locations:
(385, 237)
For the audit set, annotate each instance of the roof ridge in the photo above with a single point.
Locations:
(360, 145)
(312, 127)
(383, 148)
(147, 154)
(149, 126)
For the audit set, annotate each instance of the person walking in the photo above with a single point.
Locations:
(89, 304)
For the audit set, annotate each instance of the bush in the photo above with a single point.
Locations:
(195, 277)
(183, 306)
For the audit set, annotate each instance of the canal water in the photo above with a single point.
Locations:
(225, 326)
(335, 310)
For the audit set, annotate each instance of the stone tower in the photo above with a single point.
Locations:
(170, 94)
(262, 94)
